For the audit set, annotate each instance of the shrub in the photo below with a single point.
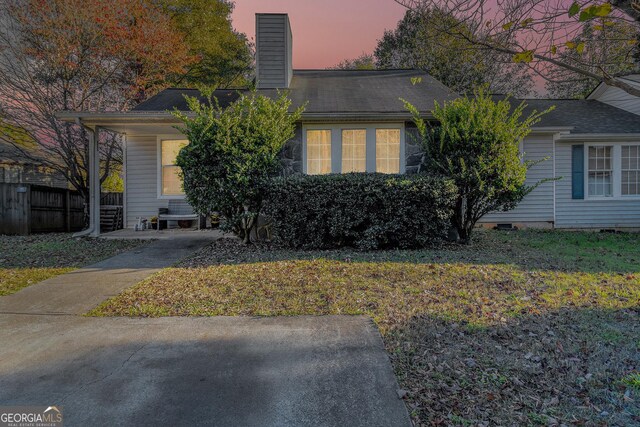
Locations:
(232, 152)
(476, 144)
(366, 211)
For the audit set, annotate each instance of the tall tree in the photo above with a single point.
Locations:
(79, 55)
(607, 47)
(541, 33)
(365, 61)
(224, 56)
(417, 43)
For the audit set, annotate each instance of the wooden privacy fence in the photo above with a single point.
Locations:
(26, 209)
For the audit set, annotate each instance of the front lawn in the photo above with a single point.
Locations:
(25, 260)
(524, 328)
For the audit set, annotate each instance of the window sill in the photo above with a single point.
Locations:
(610, 198)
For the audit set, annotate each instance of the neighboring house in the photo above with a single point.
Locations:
(617, 97)
(355, 121)
(15, 168)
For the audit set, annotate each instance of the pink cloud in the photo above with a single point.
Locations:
(325, 32)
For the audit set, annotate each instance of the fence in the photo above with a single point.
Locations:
(26, 209)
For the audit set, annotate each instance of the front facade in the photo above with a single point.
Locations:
(354, 121)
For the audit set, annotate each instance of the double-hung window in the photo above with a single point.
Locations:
(170, 180)
(600, 171)
(630, 158)
(613, 170)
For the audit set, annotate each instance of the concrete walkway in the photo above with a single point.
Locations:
(81, 290)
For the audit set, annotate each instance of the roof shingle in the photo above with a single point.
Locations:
(334, 92)
(585, 116)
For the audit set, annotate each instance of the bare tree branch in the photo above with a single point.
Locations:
(547, 33)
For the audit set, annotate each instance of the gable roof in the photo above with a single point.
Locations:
(335, 93)
(585, 116)
(633, 79)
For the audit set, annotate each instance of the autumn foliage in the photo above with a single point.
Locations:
(131, 43)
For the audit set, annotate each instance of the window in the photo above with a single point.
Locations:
(600, 171)
(170, 178)
(388, 150)
(318, 152)
(353, 147)
(630, 157)
(354, 150)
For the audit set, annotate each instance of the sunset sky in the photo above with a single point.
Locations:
(325, 31)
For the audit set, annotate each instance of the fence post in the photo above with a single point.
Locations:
(28, 208)
(67, 210)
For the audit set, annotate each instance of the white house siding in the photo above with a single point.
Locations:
(618, 98)
(537, 207)
(142, 179)
(598, 214)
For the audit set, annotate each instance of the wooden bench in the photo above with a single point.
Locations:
(178, 210)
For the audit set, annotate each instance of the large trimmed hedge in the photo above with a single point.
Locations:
(366, 211)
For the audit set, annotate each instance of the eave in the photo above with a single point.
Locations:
(117, 121)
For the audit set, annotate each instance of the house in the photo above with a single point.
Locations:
(617, 97)
(354, 121)
(16, 168)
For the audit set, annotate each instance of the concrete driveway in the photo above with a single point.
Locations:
(222, 371)
(297, 371)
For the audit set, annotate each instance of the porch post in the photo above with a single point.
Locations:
(94, 182)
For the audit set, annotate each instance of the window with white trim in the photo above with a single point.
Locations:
(171, 182)
(353, 147)
(630, 179)
(318, 151)
(388, 150)
(600, 173)
(354, 150)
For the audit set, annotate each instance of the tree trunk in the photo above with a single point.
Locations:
(247, 237)
(464, 220)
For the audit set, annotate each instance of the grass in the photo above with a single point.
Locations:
(25, 260)
(632, 380)
(520, 328)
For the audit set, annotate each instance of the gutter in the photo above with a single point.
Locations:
(111, 117)
(581, 137)
(551, 129)
(168, 117)
(92, 196)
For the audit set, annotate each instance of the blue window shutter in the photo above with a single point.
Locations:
(577, 171)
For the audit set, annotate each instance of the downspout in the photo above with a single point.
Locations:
(93, 160)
